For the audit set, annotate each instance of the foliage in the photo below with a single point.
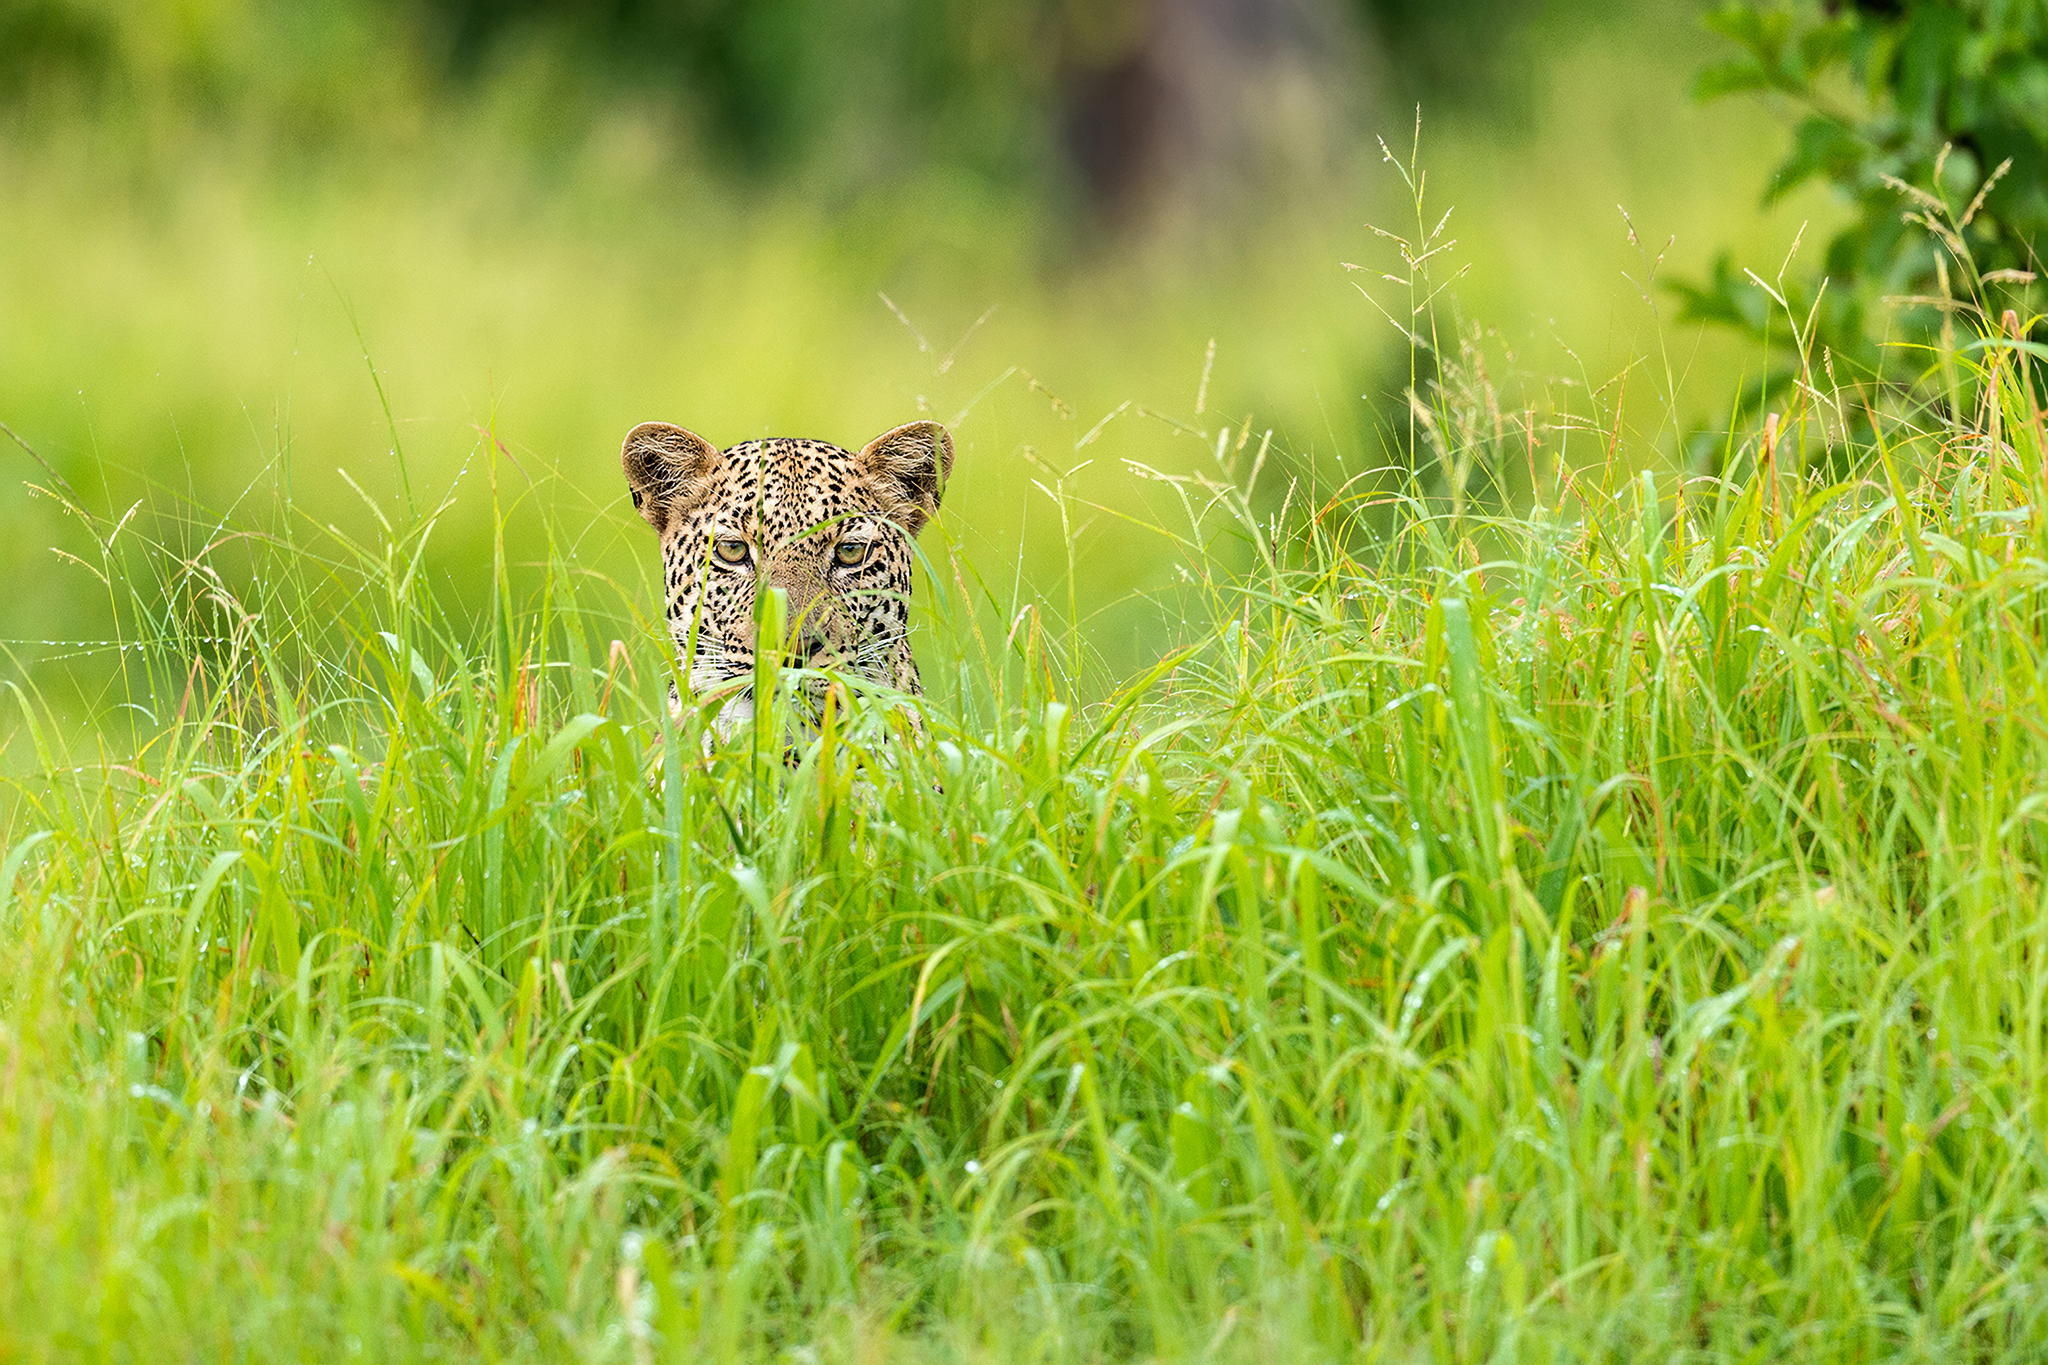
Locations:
(1951, 95)
(847, 96)
(1536, 906)
(1608, 931)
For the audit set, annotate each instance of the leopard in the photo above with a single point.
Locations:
(831, 528)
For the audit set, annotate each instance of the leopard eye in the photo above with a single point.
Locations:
(848, 553)
(731, 551)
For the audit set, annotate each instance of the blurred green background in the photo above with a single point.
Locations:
(1084, 233)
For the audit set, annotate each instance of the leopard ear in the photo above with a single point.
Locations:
(908, 468)
(666, 468)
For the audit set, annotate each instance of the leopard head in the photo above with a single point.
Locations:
(830, 527)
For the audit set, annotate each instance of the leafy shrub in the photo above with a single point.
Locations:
(1931, 118)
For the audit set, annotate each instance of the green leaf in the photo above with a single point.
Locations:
(1820, 147)
(1730, 78)
(1762, 31)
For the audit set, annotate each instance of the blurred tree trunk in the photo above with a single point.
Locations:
(1173, 109)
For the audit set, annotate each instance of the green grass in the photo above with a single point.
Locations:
(1609, 932)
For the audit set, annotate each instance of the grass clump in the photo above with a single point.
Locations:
(1604, 931)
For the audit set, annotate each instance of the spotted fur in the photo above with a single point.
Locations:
(830, 527)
